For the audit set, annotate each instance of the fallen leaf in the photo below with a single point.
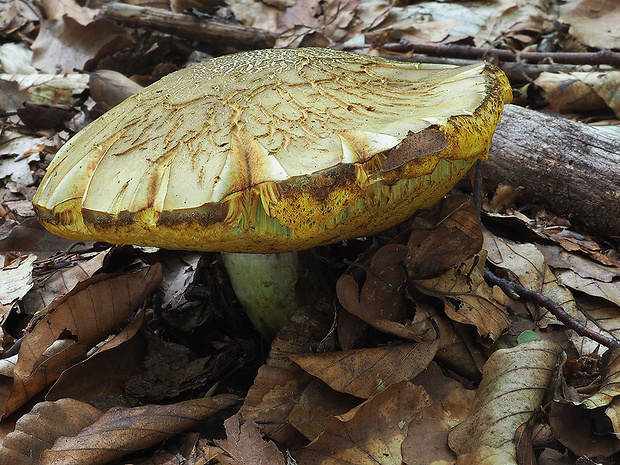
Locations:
(72, 325)
(316, 404)
(582, 91)
(65, 44)
(121, 431)
(100, 379)
(16, 279)
(443, 237)
(56, 278)
(245, 445)
(365, 372)
(427, 436)
(469, 299)
(528, 265)
(36, 431)
(592, 22)
(514, 383)
(371, 433)
(280, 383)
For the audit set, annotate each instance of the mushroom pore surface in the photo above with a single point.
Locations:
(272, 151)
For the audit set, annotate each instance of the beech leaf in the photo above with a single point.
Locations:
(371, 433)
(123, 430)
(365, 372)
(514, 383)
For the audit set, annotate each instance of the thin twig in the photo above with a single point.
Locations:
(511, 288)
(602, 57)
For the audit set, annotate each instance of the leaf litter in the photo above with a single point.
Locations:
(412, 359)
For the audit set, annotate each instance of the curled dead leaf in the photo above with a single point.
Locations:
(365, 372)
(514, 383)
(469, 299)
(123, 430)
(71, 326)
(36, 431)
(370, 433)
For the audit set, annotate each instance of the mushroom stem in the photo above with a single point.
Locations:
(265, 287)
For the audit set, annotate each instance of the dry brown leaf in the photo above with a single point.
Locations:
(588, 423)
(427, 438)
(280, 383)
(528, 264)
(443, 237)
(59, 281)
(123, 430)
(609, 388)
(48, 88)
(381, 302)
(56, 9)
(514, 383)
(514, 20)
(469, 299)
(609, 291)
(102, 376)
(582, 431)
(371, 433)
(111, 87)
(365, 372)
(73, 324)
(16, 279)
(593, 22)
(317, 403)
(36, 431)
(66, 44)
(245, 445)
(558, 258)
(256, 14)
(582, 91)
(30, 237)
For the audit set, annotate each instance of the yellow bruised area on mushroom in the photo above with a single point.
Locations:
(273, 150)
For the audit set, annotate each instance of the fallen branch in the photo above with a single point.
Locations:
(512, 288)
(572, 168)
(602, 57)
(208, 29)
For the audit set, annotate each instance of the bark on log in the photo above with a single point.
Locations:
(572, 168)
(209, 30)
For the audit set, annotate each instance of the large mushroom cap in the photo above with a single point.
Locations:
(271, 151)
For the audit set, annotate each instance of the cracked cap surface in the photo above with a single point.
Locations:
(273, 151)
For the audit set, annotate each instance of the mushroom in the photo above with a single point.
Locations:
(272, 152)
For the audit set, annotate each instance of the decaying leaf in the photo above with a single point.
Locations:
(514, 383)
(371, 433)
(316, 404)
(280, 382)
(61, 277)
(588, 423)
(381, 302)
(592, 22)
(16, 280)
(469, 299)
(67, 44)
(102, 376)
(427, 436)
(443, 237)
(365, 372)
(123, 430)
(582, 91)
(527, 263)
(72, 325)
(36, 431)
(245, 445)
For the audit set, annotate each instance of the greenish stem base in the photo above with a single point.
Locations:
(265, 287)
